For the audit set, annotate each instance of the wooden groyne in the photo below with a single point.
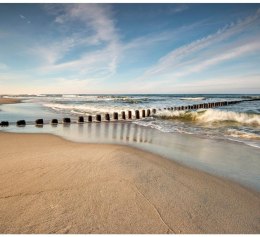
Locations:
(128, 115)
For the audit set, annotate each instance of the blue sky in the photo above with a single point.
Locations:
(129, 48)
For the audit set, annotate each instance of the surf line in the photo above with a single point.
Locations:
(138, 114)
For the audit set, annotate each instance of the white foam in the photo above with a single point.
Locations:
(211, 116)
(220, 115)
(88, 109)
(192, 98)
(242, 134)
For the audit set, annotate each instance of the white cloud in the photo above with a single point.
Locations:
(174, 60)
(217, 58)
(179, 8)
(53, 51)
(248, 83)
(232, 84)
(22, 17)
(101, 31)
(101, 51)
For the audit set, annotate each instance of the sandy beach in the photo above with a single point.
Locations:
(50, 185)
(9, 101)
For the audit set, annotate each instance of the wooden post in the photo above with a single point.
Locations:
(54, 121)
(129, 114)
(81, 119)
(115, 116)
(66, 120)
(90, 118)
(107, 117)
(143, 113)
(4, 123)
(123, 115)
(148, 113)
(98, 118)
(39, 122)
(137, 114)
(21, 123)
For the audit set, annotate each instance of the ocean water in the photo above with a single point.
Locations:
(237, 122)
(223, 141)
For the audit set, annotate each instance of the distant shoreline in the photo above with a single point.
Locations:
(9, 101)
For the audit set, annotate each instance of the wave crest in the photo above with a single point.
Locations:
(193, 98)
(212, 116)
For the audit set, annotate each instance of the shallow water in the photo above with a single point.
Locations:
(236, 162)
(237, 122)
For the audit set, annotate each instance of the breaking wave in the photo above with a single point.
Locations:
(212, 116)
(192, 98)
(251, 97)
(105, 98)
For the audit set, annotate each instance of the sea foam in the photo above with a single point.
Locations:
(212, 116)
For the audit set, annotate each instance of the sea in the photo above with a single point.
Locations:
(223, 141)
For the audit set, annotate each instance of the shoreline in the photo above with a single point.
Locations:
(52, 185)
(9, 101)
(211, 156)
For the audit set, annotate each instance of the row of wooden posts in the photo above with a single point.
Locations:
(115, 117)
(144, 113)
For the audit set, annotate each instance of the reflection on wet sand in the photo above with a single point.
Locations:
(235, 161)
(107, 132)
(119, 132)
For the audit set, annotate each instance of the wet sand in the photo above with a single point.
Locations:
(9, 101)
(50, 185)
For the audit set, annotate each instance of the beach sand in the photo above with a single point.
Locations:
(9, 101)
(50, 185)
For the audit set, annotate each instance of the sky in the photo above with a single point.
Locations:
(129, 48)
